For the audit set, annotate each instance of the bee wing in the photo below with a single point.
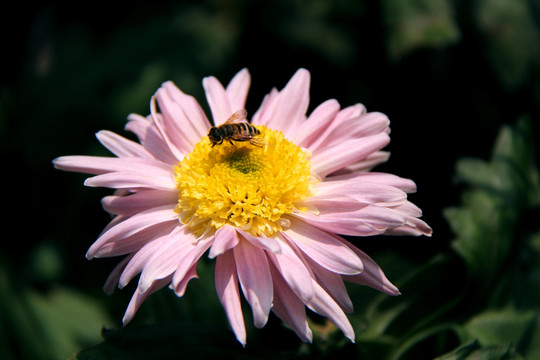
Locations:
(258, 141)
(237, 117)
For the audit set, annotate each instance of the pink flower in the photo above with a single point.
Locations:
(268, 214)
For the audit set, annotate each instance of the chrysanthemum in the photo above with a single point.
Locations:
(269, 215)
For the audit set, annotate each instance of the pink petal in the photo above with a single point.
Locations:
(262, 242)
(316, 123)
(378, 157)
(175, 123)
(237, 90)
(323, 248)
(294, 271)
(138, 298)
(228, 293)
(350, 225)
(225, 239)
(168, 131)
(103, 165)
(132, 226)
(182, 285)
(333, 285)
(122, 147)
(323, 304)
(188, 258)
(194, 114)
(330, 159)
(141, 201)
(264, 112)
(134, 242)
(341, 117)
(140, 259)
(289, 308)
(255, 279)
(367, 193)
(114, 276)
(165, 260)
(218, 100)
(403, 184)
(150, 138)
(324, 204)
(132, 180)
(291, 105)
(373, 275)
(358, 127)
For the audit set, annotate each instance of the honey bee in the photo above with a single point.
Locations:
(235, 129)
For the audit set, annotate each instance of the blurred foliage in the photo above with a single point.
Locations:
(418, 23)
(450, 74)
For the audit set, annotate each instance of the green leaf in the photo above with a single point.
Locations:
(507, 326)
(179, 340)
(418, 23)
(472, 351)
(501, 192)
(511, 39)
(69, 320)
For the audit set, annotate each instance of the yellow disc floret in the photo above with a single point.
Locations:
(243, 185)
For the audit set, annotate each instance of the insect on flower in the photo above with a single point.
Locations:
(235, 129)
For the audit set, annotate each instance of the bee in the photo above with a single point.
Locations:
(235, 129)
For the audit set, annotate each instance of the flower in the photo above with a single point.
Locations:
(269, 215)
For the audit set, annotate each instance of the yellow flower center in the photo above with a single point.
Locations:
(243, 185)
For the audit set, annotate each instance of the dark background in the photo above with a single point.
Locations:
(449, 74)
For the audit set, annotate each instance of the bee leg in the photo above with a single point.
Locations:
(231, 142)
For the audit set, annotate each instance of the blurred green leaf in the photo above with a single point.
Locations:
(502, 191)
(46, 326)
(177, 340)
(520, 329)
(68, 319)
(417, 24)
(511, 39)
(473, 351)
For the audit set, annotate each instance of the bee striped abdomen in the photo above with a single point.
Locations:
(235, 130)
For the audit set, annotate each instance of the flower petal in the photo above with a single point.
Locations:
(141, 201)
(332, 158)
(132, 180)
(262, 242)
(290, 107)
(294, 271)
(225, 239)
(333, 284)
(323, 304)
(165, 259)
(194, 114)
(373, 275)
(188, 258)
(150, 138)
(168, 131)
(323, 248)
(138, 298)
(403, 184)
(311, 129)
(366, 193)
(134, 242)
(218, 100)
(114, 276)
(228, 292)
(255, 279)
(238, 88)
(133, 225)
(102, 165)
(289, 308)
(122, 147)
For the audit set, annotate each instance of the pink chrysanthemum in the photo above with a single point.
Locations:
(268, 214)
